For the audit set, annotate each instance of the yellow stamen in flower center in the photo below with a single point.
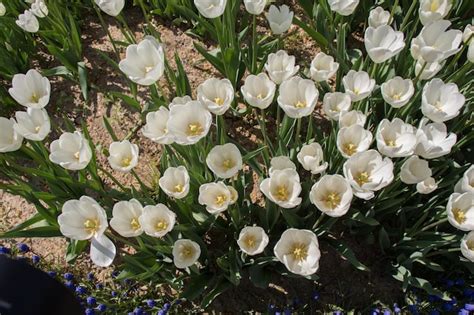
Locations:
(194, 129)
(362, 178)
(161, 225)
(439, 106)
(186, 251)
(126, 162)
(134, 224)
(77, 155)
(300, 104)
(37, 128)
(228, 164)
(470, 244)
(396, 97)
(350, 149)
(219, 101)
(34, 98)
(434, 5)
(356, 91)
(390, 143)
(459, 215)
(333, 200)
(221, 199)
(250, 241)
(259, 96)
(299, 252)
(148, 69)
(91, 225)
(282, 193)
(178, 188)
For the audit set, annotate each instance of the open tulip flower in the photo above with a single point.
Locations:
(434, 10)
(216, 95)
(224, 160)
(215, 196)
(353, 139)
(298, 97)
(332, 194)
(156, 127)
(433, 140)
(396, 138)
(353, 117)
(336, 103)
(280, 66)
(189, 123)
(10, 139)
(383, 42)
(460, 209)
(30, 89)
(358, 85)
(252, 240)
(175, 182)
(279, 19)
(255, 6)
(311, 157)
(28, 22)
(39, 9)
(185, 253)
(72, 151)
(123, 156)
(378, 17)
(397, 91)
(415, 170)
(323, 67)
(343, 7)
(466, 183)
(279, 163)
(283, 188)
(467, 246)
(157, 220)
(258, 90)
(210, 8)
(126, 218)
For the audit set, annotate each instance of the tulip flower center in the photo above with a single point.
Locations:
(178, 188)
(91, 225)
(194, 129)
(299, 252)
(219, 101)
(126, 161)
(350, 149)
(396, 97)
(161, 225)
(356, 91)
(135, 224)
(390, 142)
(300, 104)
(148, 69)
(187, 252)
(34, 98)
(362, 178)
(333, 200)
(221, 199)
(228, 164)
(37, 129)
(470, 244)
(282, 193)
(77, 155)
(260, 96)
(250, 241)
(459, 215)
(439, 106)
(434, 5)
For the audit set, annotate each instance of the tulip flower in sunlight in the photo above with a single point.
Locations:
(156, 127)
(397, 91)
(334, 103)
(378, 17)
(258, 90)
(353, 139)
(30, 89)
(332, 195)
(175, 182)
(433, 140)
(414, 170)
(255, 6)
(433, 10)
(189, 123)
(185, 253)
(28, 22)
(311, 157)
(323, 67)
(252, 240)
(395, 138)
(34, 124)
(225, 161)
(283, 187)
(467, 246)
(215, 196)
(123, 156)
(126, 218)
(353, 117)
(466, 183)
(383, 43)
(343, 7)
(111, 7)
(429, 70)
(10, 140)
(157, 220)
(39, 9)
(71, 151)
(216, 95)
(279, 19)
(298, 97)
(280, 66)
(441, 101)
(460, 210)
(358, 84)
(210, 8)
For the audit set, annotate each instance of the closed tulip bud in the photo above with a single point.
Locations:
(460, 210)
(280, 19)
(323, 67)
(378, 17)
(281, 163)
(466, 183)
(34, 124)
(433, 140)
(336, 103)
(414, 170)
(298, 97)
(123, 156)
(189, 123)
(185, 253)
(144, 63)
(358, 84)
(216, 95)
(215, 196)
(175, 182)
(258, 90)
(156, 127)
(111, 7)
(225, 161)
(467, 246)
(126, 218)
(468, 33)
(441, 102)
(39, 9)
(427, 186)
(430, 70)
(395, 138)
(383, 43)
(343, 7)
(353, 117)
(252, 240)
(157, 220)
(71, 151)
(28, 22)
(299, 251)
(434, 10)
(353, 139)
(311, 157)
(283, 187)
(332, 195)
(255, 6)
(210, 8)
(397, 91)
(30, 89)
(10, 140)
(280, 66)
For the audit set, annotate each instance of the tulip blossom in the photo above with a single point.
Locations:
(441, 102)
(433, 140)
(311, 157)
(434, 43)
(10, 139)
(225, 161)
(336, 103)
(39, 8)
(123, 156)
(126, 218)
(71, 151)
(252, 240)
(111, 7)
(332, 195)
(180, 100)
(156, 127)
(189, 123)
(281, 163)
(175, 182)
(280, 66)
(460, 210)
(234, 195)
(352, 140)
(467, 246)
(157, 220)
(299, 251)
(343, 7)
(215, 196)
(185, 253)
(210, 8)
(427, 186)
(414, 170)
(466, 183)
(323, 67)
(3, 10)
(30, 89)
(395, 138)
(255, 6)
(283, 188)
(433, 10)
(378, 17)
(144, 63)
(368, 172)
(258, 90)
(358, 84)
(34, 124)
(397, 91)
(216, 95)
(429, 70)
(468, 33)
(383, 43)
(353, 117)
(298, 97)
(279, 19)
(85, 219)
(28, 22)
(470, 52)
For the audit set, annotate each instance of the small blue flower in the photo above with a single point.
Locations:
(375, 311)
(81, 290)
(177, 302)
(68, 276)
(4, 250)
(99, 286)
(463, 311)
(89, 311)
(337, 313)
(459, 282)
(161, 312)
(91, 300)
(90, 276)
(151, 303)
(115, 274)
(271, 307)
(413, 309)
(114, 294)
(52, 273)
(468, 292)
(469, 307)
(35, 259)
(287, 311)
(102, 307)
(167, 306)
(386, 312)
(315, 296)
(138, 311)
(70, 285)
(434, 312)
(23, 248)
(277, 313)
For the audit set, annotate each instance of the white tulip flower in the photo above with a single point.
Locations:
(258, 90)
(433, 140)
(441, 102)
(280, 66)
(283, 187)
(144, 62)
(311, 157)
(39, 9)
(353, 117)
(460, 210)
(358, 84)
(185, 253)
(468, 33)
(397, 91)
(299, 251)
(215, 196)
(157, 220)
(234, 195)
(467, 246)
(434, 43)
(470, 52)
(34, 124)
(466, 183)
(28, 22)
(383, 43)
(175, 182)
(279, 163)
(111, 7)
(252, 240)
(323, 67)
(368, 172)
(180, 100)
(427, 186)
(395, 138)
(189, 123)
(332, 195)
(343, 7)
(123, 155)
(71, 151)
(156, 127)
(10, 139)
(30, 89)
(126, 218)
(225, 161)
(335, 103)
(378, 17)
(3, 10)
(433, 10)
(430, 70)
(210, 8)
(298, 97)
(216, 95)
(352, 140)
(255, 7)
(414, 170)
(280, 19)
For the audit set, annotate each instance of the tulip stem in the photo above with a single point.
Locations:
(320, 219)
(392, 12)
(298, 129)
(254, 44)
(408, 15)
(106, 29)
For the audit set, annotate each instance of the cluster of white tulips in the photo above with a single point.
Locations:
(28, 20)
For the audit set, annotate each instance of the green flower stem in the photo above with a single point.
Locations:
(430, 226)
(298, 129)
(266, 142)
(254, 45)
(113, 179)
(144, 187)
(408, 15)
(318, 222)
(106, 29)
(392, 12)
(126, 30)
(417, 78)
